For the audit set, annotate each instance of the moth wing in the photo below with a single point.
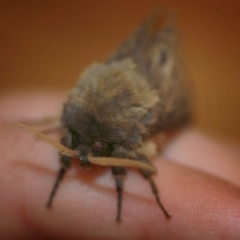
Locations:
(154, 48)
(135, 45)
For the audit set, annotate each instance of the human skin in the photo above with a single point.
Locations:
(198, 179)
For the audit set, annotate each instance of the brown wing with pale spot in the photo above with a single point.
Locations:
(155, 51)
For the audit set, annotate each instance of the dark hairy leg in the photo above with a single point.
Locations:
(147, 175)
(65, 162)
(119, 172)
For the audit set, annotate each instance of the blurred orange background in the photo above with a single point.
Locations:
(46, 44)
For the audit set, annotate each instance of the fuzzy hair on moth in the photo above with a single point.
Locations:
(118, 104)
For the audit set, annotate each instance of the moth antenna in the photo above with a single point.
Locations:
(61, 148)
(121, 162)
(101, 161)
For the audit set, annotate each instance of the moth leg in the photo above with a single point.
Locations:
(119, 172)
(156, 193)
(147, 175)
(85, 163)
(65, 161)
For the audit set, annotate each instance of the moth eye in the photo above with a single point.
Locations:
(100, 148)
(75, 139)
(97, 146)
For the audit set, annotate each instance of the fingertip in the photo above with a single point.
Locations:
(194, 149)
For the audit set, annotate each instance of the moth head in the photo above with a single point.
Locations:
(95, 146)
(110, 106)
(93, 133)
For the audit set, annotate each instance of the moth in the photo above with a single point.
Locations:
(118, 104)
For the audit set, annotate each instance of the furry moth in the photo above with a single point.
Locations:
(118, 104)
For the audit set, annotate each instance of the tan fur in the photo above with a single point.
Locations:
(136, 93)
(118, 99)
